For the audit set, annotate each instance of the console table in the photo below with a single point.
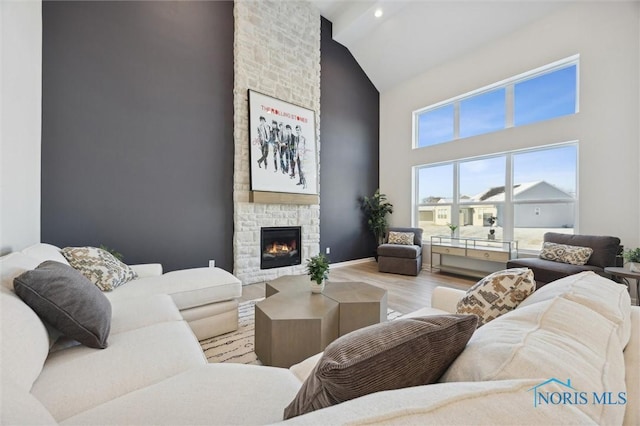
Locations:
(625, 275)
(500, 251)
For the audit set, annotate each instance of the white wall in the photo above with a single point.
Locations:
(21, 52)
(606, 37)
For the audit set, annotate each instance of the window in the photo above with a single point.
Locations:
(544, 199)
(542, 94)
(520, 195)
(482, 113)
(435, 192)
(482, 185)
(547, 96)
(436, 126)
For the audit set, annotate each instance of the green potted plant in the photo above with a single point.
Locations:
(376, 208)
(318, 270)
(632, 256)
(453, 228)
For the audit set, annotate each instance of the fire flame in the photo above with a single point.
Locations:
(278, 248)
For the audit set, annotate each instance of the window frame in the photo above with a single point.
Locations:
(509, 86)
(508, 221)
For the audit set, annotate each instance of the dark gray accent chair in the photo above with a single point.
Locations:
(606, 252)
(401, 259)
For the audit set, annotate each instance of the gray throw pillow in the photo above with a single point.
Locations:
(67, 300)
(391, 355)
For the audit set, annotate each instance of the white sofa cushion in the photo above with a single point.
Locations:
(79, 378)
(482, 403)
(144, 270)
(597, 293)
(632, 362)
(25, 342)
(302, 369)
(553, 339)
(223, 394)
(188, 288)
(13, 265)
(130, 314)
(19, 407)
(44, 251)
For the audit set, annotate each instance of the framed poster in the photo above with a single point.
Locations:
(282, 146)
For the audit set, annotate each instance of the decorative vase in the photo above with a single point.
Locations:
(316, 288)
(634, 267)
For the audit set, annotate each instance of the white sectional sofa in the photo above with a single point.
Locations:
(206, 297)
(154, 373)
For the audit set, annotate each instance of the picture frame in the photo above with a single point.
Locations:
(283, 151)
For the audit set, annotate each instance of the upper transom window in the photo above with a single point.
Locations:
(541, 94)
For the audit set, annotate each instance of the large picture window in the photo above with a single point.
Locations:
(520, 194)
(541, 94)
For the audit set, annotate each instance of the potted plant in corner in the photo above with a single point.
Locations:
(632, 256)
(318, 270)
(376, 208)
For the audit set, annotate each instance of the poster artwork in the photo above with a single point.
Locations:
(282, 144)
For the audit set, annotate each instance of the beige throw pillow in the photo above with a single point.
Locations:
(391, 355)
(99, 266)
(497, 294)
(402, 238)
(573, 255)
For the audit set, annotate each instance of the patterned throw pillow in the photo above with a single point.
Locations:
(573, 255)
(99, 266)
(403, 238)
(497, 294)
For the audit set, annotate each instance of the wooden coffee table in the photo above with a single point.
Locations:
(292, 323)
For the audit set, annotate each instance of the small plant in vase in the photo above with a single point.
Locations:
(318, 270)
(632, 256)
(453, 228)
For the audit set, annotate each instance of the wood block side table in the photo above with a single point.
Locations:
(292, 323)
(361, 304)
(290, 327)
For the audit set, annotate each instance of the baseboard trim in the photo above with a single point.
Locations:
(352, 262)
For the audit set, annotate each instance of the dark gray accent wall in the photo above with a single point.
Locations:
(137, 129)
(349, 150)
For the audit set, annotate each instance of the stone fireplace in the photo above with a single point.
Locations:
(280, 246)
(293, 77)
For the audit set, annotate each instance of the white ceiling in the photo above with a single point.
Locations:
(413, 36)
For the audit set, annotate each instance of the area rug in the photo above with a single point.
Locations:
(237, 346)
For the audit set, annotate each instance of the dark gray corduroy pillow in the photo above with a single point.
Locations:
(67, 300)
(391, 355)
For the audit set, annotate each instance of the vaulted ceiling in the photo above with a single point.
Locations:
(412, 36)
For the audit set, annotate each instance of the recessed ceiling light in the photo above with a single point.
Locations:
(378, 13)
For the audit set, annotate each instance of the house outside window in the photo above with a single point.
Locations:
(520, 194)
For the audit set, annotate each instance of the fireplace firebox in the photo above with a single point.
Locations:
(280, 246)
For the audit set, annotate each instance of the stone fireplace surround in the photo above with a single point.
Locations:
(282, 61)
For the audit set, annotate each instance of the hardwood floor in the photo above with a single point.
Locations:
(405, 293)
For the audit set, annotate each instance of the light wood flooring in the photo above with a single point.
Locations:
(404, 293)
